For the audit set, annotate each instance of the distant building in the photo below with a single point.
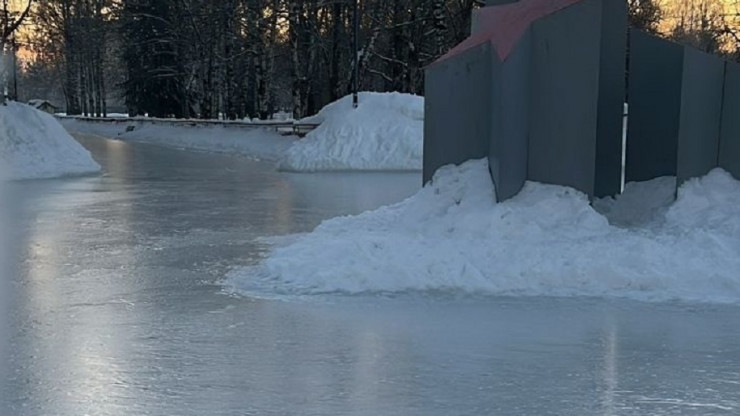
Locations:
(43, 105)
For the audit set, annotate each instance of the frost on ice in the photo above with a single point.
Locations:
(385, 132)
(34, 145)
(453, 237)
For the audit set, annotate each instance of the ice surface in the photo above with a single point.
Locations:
(34, 145)
(263, 144)
(548, 240)
(385, 132)
(117, 310)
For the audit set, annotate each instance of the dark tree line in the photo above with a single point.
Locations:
(249, 58)
(74, 38)
(239, 58)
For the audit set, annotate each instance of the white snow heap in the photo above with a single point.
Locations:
(5, 270)
(34, 145)
(385, 132)
(641, 203)
(548, 240)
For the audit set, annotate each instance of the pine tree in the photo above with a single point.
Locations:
(154, 83)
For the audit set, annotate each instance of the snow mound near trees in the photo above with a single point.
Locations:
(385, 132)
(453, 237)
(34, 145)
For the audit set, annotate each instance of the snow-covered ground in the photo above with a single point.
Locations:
(5, 273)
(34, 145)
(385, 132)
(548, 240)
(264, 144)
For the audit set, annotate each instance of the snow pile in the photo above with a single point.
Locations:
(5, 295)
(641, 203)
(453, 237)
(265, 144)
(5, 274)
(385, 132)
(34, 145)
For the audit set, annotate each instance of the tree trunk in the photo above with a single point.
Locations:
(299, 80)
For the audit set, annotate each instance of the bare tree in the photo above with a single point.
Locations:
(699, 23)
(237, 58)
(644, 14)
(9, 24)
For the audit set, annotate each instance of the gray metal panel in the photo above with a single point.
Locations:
(510, 117)
(701, 110)
(457, 107)
(655, 77)
(499, 2)
(612, 91)
(729, 149)
(564, 96)
(475, 25)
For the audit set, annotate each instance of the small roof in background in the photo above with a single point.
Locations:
(37, 103)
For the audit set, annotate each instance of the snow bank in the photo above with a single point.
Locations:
(5, 279)
(265, 144)
(385, 132)
(34, 145)
(641, 203)
(452, 237)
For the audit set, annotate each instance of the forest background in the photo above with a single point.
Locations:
(250, 58)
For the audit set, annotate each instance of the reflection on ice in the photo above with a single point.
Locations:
(118, 310)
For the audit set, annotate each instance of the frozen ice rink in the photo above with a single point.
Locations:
(118, 309)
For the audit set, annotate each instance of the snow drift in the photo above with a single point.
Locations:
(548, 240)
(385, 132)
(34, 145)
(5, 274)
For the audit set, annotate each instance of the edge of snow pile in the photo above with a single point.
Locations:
(548, 240)
(385, 132)
(5, 279)
(33, 145)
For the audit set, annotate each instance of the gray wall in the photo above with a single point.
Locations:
(655, 76)
(573, 100)
(675, 114)
(499, 2)
(700, 116)
(458, 104)
(729, 150)
(550, 112)
(475, 24)
(612, 95)
(475, 19)
(507, 156)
